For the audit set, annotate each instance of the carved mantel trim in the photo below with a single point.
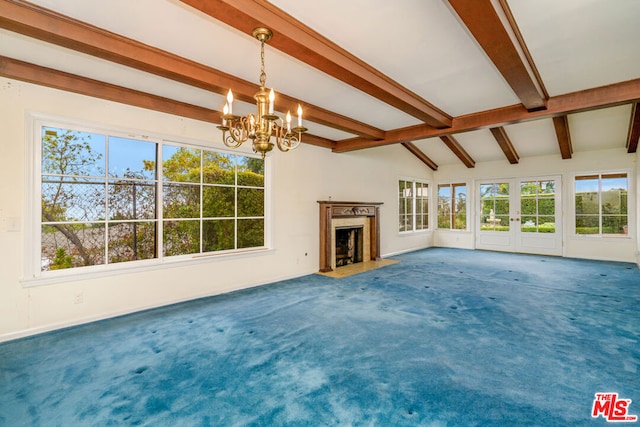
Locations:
(330, 210)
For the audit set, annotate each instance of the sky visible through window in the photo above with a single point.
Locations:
(591, 185)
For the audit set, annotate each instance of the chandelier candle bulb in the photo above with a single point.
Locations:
(288, 121)
(225, 111)
(230, 102)
(272, 96)
(299, 116)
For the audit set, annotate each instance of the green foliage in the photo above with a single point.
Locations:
(548, 227)
(494, 228)
(61, 260)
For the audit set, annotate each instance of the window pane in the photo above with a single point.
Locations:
(180, 164)
(460, 200)
(131, 158)
(461, 221)
(587, 195)
(587, 203)
(404, 206)
(502, 223)
(72, 199)
(219, 168)
(546, 205)
(528, 205)
(132, 200)
(424, 203)
(218, 201)
(529, 224)
(529, 188)
(486, 190)
(424, 221)
(250, 202)
(250, 171)
(250, 233)
(132, 241)
(69, 152)
(181, 237)
(546, 224)
(502, 207)
(218, 235)
(587, 224)
(181, 201)
(614, 195)
(488, 207)
(614, 224)
(72, 245)
(405, 225)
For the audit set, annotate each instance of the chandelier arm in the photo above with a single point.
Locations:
(287, 139)
(230, 141)
(239, 132)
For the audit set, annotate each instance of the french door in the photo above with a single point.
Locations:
(520, 215)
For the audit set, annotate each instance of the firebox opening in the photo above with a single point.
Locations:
(349, 245)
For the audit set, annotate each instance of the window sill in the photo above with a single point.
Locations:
(413, 233)
(97, 272)
(601, 236)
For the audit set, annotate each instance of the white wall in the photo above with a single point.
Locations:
(616, 249)
(300, 179)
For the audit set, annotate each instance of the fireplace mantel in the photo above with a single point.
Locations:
(331, 211)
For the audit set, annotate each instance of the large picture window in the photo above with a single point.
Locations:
(413, 204)
(108, 199)
(601, 204)
(452, 206)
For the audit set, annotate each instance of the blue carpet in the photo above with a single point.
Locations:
(446, 337)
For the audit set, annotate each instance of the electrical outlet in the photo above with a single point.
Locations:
(78, 298)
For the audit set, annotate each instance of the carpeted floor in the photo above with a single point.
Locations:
(445, 337)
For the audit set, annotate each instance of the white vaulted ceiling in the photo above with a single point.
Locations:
(446, 58)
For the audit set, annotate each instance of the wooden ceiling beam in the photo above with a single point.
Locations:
(484, 23)
(301, 42)
(586, 100)
(40, 23)
(561, 125)
(500, 134)
(30, 73)
(458, 150)
(634, 129)
(26, 72)
(420, 155)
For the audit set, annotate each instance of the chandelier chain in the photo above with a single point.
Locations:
(263, 75)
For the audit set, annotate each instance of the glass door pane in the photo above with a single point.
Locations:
(537, 206)
(495, 207)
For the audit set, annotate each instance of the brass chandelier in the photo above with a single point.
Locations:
(260, 128)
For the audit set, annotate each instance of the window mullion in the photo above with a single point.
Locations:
(159, 202)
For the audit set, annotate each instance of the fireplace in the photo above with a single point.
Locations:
(349, 233)
(348, 245)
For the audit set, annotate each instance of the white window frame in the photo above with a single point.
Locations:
(450, 184)
(32, 273)
(427, 226)
(631, 206)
